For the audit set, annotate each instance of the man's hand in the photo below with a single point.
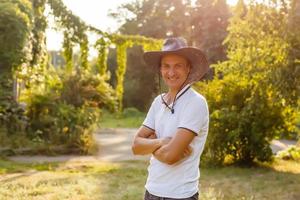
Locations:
(188, 151)
(145, 141)
(175, 149)
(152, 136)
(164, 142)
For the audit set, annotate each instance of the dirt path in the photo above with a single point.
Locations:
(115, 145)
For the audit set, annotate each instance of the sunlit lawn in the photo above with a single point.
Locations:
(125, 180)
(109, 120)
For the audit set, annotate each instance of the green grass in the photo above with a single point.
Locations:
(8, 167)
(125, 181)
(131, 118)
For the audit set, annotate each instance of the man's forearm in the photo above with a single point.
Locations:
(165, 155)
(161, 154)
(143, 146)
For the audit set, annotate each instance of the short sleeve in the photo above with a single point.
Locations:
(195, 116)
(149, 121)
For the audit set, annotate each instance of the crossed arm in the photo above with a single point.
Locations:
(167, 150)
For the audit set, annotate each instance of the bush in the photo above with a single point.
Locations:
(67, 114)
(248, 104)
(291, 153)
(59, 123)
(12, 118)
(243, 120)
(88, 89)
(13, 125)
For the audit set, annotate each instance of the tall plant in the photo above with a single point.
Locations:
(15, 23)
(247, 109)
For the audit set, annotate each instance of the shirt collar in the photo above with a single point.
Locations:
(183, 90)
(180, 93)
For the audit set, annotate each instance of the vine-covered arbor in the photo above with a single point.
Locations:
(75, 32)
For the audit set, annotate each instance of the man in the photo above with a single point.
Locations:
(176, 126)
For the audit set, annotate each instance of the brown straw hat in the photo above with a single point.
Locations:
(178, 46)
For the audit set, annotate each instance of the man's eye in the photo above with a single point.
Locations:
(179, 65)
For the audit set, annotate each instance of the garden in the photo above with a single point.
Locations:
(50, 108)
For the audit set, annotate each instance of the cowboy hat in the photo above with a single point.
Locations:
(178, 46)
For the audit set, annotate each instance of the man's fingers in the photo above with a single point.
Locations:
(188, 151)
(152, 136)
(190, 148)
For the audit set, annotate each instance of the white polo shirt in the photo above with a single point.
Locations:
(179, 180)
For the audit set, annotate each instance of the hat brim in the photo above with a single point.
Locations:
(195, 56)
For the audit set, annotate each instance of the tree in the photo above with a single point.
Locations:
(155, 18)
(15, 26)
(210, 21)
(291, 73)
(247, 108)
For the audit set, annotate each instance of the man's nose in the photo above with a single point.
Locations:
(171, 71)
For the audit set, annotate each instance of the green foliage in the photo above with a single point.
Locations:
(155, 18)
(75, 32)
(70, 22)
(124, 42)
(61, 108)
(244, 119)
(291, 153)
(59, 123)
(68, 52)
(38, 33)
(247, 107)
(63, 113)
(289, 81)
(102, 48)
(84, 52)
(140, 84)
(6, 85)
(87, 89)
(121, 61)
(12, 118)
(294, 29)
(67, 112)
(15, 25)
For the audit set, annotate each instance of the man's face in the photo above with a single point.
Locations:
(174, 70)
